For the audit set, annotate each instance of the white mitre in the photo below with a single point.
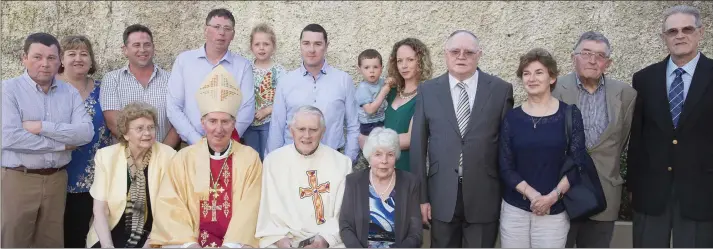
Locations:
(219, 93)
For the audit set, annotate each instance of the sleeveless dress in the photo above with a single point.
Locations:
(399, 120)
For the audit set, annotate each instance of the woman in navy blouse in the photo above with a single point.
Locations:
(532, 153)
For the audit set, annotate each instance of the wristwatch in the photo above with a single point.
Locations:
(559, 193)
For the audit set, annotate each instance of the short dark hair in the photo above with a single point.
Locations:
(221, 13)
(41, 38)
(370, 54)
(136, 28)
(315, 28)
(540, 55)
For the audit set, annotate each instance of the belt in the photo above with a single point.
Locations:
(46, 171)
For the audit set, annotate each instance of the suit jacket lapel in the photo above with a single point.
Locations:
(701, 80)
(613, 98)
(443, 93)
(570, 93)
(362, 207)
(401, 198)
(660, 96)
(482, 96)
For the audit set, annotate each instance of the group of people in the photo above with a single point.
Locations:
(226, 152)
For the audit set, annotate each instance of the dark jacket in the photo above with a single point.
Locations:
(354, 217)
(663, 160)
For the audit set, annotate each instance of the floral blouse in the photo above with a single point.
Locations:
(265, 83)
(81, 169)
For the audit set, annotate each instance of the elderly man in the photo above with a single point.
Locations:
(670, 167)
(607, 107)
(192, 67)
(316, 83)
(43, 120)
(210, 195)
(457, 122)
(303, 186)
(140, 80)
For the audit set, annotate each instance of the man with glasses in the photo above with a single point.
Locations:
(670, 164)
(607, 107)
(457, 121)
(192, 67)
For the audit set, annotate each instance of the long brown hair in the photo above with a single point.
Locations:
(424, 61)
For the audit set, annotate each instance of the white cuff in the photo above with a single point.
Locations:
(186, 245)
(233, 245)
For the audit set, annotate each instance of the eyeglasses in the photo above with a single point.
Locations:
(458, 52)
(218, 27)
(142, 129)
(674, 32)
(589, 55)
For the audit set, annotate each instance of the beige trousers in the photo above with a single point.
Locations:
(522, 229)
(33, 209)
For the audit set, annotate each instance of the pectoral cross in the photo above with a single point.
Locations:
(215, 190)
(315, 192)
(214, 208)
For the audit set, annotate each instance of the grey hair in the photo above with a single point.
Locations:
(593, 36)
(462, 31)
(683, 9)
(383, 138)
(311, 110)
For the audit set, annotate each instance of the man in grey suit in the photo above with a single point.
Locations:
(457, 122)
(607, 107)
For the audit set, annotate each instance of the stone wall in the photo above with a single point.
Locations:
(506, 29)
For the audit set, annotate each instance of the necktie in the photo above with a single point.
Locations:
(463, 115)
(675, 96)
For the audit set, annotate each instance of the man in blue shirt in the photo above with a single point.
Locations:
(318, 84)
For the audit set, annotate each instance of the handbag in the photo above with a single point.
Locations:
(585, 196)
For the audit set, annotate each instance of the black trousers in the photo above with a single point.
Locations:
(657, 230)
(458, 233)
(77, 216)
(590, 234)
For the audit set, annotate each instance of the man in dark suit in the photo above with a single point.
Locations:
(607, 107)
(670, 173)
(457, 122)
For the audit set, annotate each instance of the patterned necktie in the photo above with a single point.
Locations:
(463, 115)
(675, 96)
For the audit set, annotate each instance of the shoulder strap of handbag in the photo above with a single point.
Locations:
(568, 126)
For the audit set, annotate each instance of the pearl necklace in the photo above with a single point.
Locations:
(382, 194)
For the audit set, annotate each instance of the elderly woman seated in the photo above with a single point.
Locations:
(126, 181)
(381, 204)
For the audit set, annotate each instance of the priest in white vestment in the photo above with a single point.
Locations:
(302, 188)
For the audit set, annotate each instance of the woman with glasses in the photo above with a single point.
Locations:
(126, 181)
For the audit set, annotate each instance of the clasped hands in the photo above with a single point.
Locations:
(540, 204)
(318, 242)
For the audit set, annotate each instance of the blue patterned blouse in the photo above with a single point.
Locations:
(81, 169)
(381, 224)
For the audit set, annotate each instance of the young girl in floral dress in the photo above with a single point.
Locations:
(266, 73)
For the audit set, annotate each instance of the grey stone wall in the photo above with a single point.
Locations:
(506, 29)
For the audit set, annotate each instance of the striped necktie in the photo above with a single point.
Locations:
(463, 116)
(675, 97)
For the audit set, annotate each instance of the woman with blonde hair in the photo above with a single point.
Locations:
(126, 181)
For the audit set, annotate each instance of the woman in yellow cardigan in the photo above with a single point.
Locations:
(126, 181)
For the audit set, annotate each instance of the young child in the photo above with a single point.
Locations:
(370, 93)
(265, 74)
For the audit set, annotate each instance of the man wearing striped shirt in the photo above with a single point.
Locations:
(43, 120)
(607, 107)
(140, 80)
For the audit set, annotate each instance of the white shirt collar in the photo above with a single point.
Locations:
(690, 67)
(225, 154)
(470, 82)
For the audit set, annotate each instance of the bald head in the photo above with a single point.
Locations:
(462, 35)
(463, 52)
